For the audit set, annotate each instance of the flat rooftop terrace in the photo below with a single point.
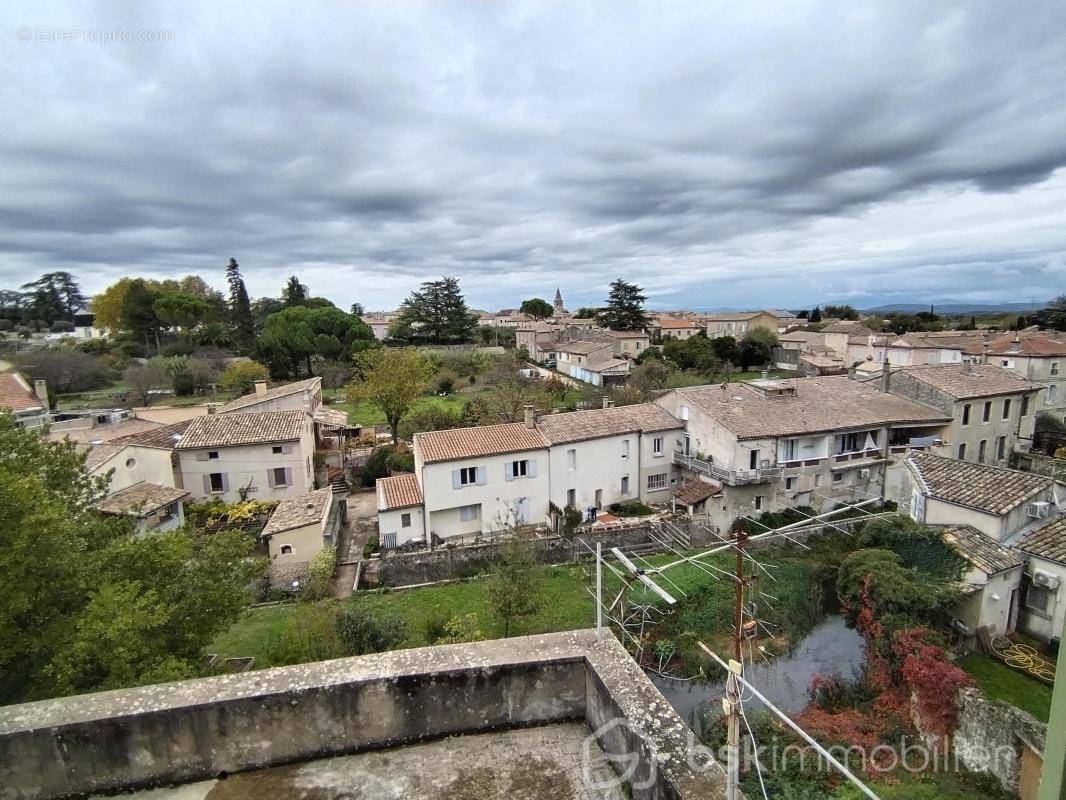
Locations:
(554, 761)
(533, 716)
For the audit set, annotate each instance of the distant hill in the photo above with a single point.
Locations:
(955, 307)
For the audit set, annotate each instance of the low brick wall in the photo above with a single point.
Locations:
(192, 730)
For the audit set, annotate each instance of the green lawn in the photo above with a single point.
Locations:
(1000, 682)
(364, 413)
(757, 373)
(252, 635)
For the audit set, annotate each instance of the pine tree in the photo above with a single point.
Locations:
(625, 308)
(438, 313)
(294, 293)
(816, 315)
(240, 307)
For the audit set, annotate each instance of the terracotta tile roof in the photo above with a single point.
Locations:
(16, 394)
(99, 454)
(141, 499)
(311, 384)
(966, 381)
(820, 405)
(980, 550)
(696, 491)
(582, 347)
(484, 440)
(1048, 541)
(227, 430)
(398, 491)
(799, 336)
(850, 326)
(994, 490)
(1022, 344)
(937, 340)
(165, 437)
(296, 512)
(732, 316)
(627, 334)
(671, 323)
(597, 423)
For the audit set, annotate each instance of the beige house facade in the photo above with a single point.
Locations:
(299, 529)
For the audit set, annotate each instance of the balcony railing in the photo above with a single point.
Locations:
(732, 477)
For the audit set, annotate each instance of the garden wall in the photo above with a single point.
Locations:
(993, 737)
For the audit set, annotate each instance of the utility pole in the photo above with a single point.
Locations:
(731, 704)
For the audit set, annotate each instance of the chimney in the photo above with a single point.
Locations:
(886, 374)
(260, 388)
(531, 419)
(606, 401)
(40, 388)
(211, 409)
(765, 374)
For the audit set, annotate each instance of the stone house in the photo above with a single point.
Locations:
(736, 324)
(993, 410)
(1035, 356)
(664, 328)
(305, 395)
(932, 347)
(235, 456)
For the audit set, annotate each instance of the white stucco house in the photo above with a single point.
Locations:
(1044, 612)
(300, 528)
(262, 456)
(991, 585)
(155, 508)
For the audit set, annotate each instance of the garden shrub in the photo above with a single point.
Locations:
(362, 631)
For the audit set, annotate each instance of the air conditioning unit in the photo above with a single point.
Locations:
(1045, 580)
(864, 473)
(1039, 510)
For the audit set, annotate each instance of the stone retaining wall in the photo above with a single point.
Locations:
(991, 735)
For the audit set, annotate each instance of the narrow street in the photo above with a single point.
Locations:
(361, 525)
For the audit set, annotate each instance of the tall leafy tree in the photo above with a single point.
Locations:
(537, 308)
(292, 337)
(138, 311)
(357, 310)
(240, 308)
(391, 379)
(177, 308)
(515, 589)
(757, 347)
(294, 293)
(625, 308)
(438, 313)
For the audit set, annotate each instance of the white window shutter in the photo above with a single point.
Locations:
(508, 471)
(201, 455)
(207, 484)
(455, 479)
(225, 482)
(286, 448)
(288, 476)
(270, 478)
(482, 476)
(532, 468)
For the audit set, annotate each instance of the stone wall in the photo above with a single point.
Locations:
(1040, 464)
(192, 730)
(991, 735)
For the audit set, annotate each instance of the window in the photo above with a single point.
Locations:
(405, 520)
(279, 476)
(212, 453)
(962, 451)
(758, 502)
(131, 463)
(790, 484)
(518, 469)
(276, 449)
(1007, 363)
(657, 446)
(469, 513)
(1025, 406)
(986, 413)
(966, 414)
(571, 498)
(1052, 394)
(468, 476)
(753, 459)
(1038, 598)
(625, 448)
(1006, 408)
(684, 412)
(790, 450)
(1001, 448)
(981, 447)
(817, 480)
(625, 486)
(217, 482)
(571, 459)
(838, 477)
(848, 442)
(286, 549)
(657, 481)
(1054, 367)
(168, 512)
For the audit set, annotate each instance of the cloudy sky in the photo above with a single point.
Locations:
(721, 155)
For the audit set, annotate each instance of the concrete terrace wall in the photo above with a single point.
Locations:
(181, 732)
